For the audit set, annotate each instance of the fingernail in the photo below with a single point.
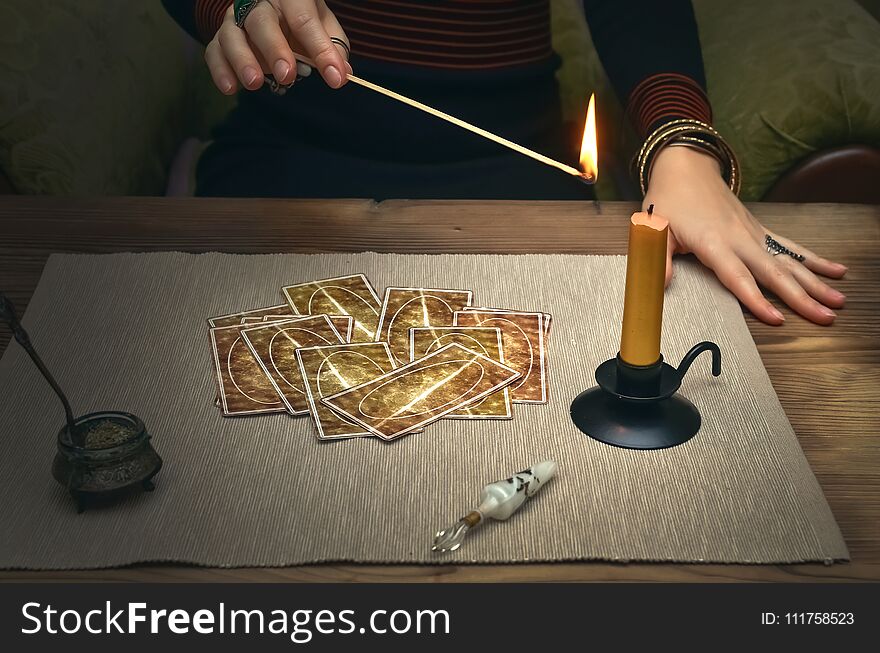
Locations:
(827, 312)
(348, 67)
(226, 86)
(250, 75)
(303, 69)
(281, 69)
(775, 313)
(333, 76)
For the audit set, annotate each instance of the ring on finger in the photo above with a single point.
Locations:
(242, 9)
(275, 86)
(775, 248)
(302, 70)
(340, 42)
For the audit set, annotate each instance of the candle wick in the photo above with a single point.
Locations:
(651, 210)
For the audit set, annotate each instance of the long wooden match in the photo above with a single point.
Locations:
(516, 147)
(471, 128)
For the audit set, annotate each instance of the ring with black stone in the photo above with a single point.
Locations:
(776, 248)
(242, 9)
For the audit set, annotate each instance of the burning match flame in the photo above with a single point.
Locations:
(589, 158)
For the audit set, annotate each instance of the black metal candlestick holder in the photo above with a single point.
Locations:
(637, 407)
(100, 454)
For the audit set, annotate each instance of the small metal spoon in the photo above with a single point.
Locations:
(7, 314)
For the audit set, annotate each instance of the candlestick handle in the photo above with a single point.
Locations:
(8, 315)
(695, 351)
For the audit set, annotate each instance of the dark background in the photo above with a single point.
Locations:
(101, 97)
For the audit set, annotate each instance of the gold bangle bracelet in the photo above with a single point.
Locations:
(674, 126)
(654, 143)
(697, 143)
(698, 135)
(694, 142)
(661, 137)
(697, 131)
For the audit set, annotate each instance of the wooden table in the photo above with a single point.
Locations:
(827, 377)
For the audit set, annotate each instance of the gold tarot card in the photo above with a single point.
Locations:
(404, 308)
(244, 320)
(522, 337)
(483, 340)
(343, 323)
(235, 318)
(244, 388)
(274, 344)
(351, 295)
(331, 369)
(548, 319)
(421, 392)
(251, 321)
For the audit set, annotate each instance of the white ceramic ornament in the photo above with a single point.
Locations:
(499, 501)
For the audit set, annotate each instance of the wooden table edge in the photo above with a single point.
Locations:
(44, 209)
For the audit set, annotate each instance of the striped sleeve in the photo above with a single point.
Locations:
(663, 97)
(200, 18)
(450, 34)
(209, 17)
(651, 53)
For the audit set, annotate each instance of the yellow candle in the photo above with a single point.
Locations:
(643, 299)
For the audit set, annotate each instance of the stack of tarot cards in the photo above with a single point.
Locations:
(364, 366)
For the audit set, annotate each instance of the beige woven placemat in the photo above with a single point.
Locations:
(128, 332)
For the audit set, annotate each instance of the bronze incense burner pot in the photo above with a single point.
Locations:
(117, 458)
(99, 454)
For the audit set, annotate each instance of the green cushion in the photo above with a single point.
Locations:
(788, 79)
(92, 96)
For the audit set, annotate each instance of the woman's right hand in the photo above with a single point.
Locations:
(272, 32)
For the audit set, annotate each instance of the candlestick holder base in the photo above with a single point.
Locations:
(636, 407)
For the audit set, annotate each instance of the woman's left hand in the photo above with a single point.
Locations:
(707, 219)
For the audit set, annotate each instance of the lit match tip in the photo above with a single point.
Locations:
(589, 158)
